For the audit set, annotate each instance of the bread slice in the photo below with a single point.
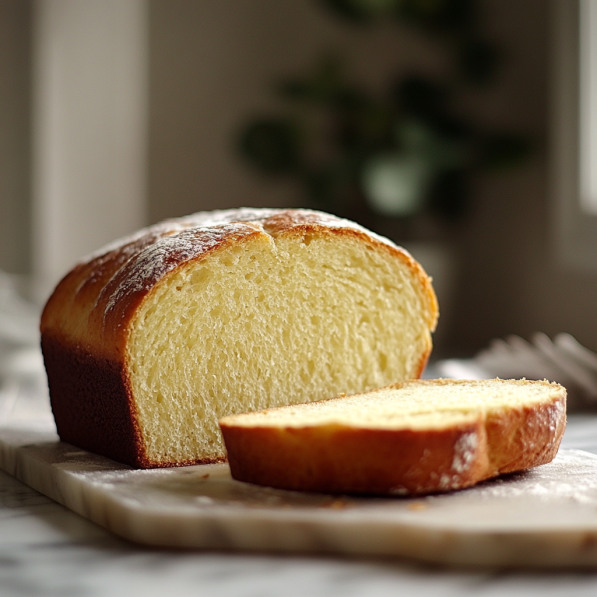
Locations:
(150, 341)
(409, 438)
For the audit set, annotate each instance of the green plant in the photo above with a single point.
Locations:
(408, 151)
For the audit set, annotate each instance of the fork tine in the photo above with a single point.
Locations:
(576, 350)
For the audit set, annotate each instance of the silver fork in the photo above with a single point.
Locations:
(563, 360)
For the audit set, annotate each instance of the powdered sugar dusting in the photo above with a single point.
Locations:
(556, 414)
(219, 217)
(464, 452)
(129, 243)
(571, 476)
(134, 264)
(165, 254)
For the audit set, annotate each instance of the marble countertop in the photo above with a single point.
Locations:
(46, 549)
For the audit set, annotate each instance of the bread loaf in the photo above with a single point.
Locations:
(409, 438)
(150, 341)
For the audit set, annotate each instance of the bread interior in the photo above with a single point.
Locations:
(419, 405)
(270, 322)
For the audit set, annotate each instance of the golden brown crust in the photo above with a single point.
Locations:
(93, 305)
(86, 322)
(92, 406)
(341, 459)
(104, 420)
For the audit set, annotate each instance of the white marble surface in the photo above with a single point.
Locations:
(47, 550)
(545, 517)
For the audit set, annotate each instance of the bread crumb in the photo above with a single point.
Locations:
(417, 506)
(337, 504)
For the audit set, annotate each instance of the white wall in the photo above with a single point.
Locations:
(89, 128)
(15, 30)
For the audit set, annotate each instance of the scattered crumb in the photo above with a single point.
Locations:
(336, 504)
(205, 476)
(417, 506)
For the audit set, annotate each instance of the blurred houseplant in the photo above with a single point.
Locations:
(408, 154)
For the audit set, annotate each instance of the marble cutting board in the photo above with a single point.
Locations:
(546, 517)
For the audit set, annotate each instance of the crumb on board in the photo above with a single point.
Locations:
(336, 504)
(417, 506)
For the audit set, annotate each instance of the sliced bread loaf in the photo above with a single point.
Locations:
(150, 341)
(409, 438)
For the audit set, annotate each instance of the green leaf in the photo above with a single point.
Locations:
(348, 10)
(449, 198)
(420, 96)
(478, 61)
(503, 150)
(270, 145)
(440, 151)
(437, 15)
(396, 184)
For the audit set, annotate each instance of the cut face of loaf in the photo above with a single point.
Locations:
(150, 342)
(416, 437)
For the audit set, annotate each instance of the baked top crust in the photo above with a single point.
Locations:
(92, 306)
